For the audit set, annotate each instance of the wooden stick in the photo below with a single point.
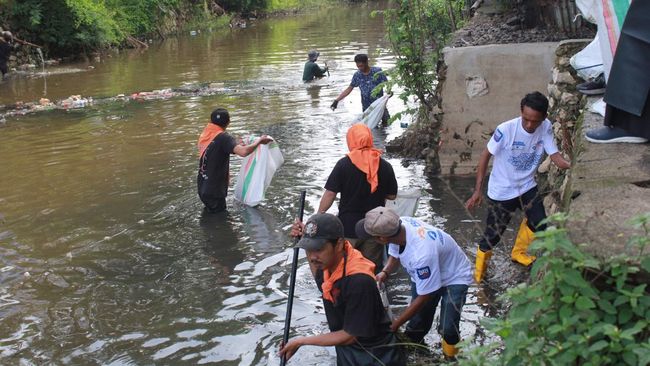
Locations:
(27, 43)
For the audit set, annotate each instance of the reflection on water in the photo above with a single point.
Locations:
(105, 254)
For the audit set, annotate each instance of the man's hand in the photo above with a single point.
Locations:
(475, 200)
(265, 139)
(394, 326)
(381, 277)
(290, 348)
(335, 104)
(297, 228)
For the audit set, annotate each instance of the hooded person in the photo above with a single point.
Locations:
(312, 70)
(358, 323)
(365, 181)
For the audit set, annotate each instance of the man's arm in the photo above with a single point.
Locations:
(560, 161)
(389, 268)
(411, 310)
(338, 338)
(477, 196)
(343, 94)
(326, 201)
(245, 150)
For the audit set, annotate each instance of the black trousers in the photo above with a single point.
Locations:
(500, 213)
(213, 204)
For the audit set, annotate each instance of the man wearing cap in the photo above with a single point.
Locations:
(359, 327)
(312, 70)
(439, 269)
(215, 146)
(365, 181)
(367, 78)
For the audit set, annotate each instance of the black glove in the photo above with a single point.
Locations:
(334, 104)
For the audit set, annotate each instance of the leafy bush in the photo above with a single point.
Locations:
(578, 310)
(417, 31)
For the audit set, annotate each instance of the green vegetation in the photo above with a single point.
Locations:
(578, 310)
(66, 27)
(417, 31)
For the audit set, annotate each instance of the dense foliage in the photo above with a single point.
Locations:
(417, 30)
(578, 310)
(73, 26)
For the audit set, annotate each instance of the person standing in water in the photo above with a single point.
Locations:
(367, 79)
(312, 70)
(215, 146)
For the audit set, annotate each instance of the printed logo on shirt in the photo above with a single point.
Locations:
(421, 232)
(518, 145)
(413, 222)
(525, 161)
(423, 273)
(498, 135)
(432, 235)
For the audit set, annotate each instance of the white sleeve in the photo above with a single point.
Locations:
(496, 141)
(549, 140)
(393, 250)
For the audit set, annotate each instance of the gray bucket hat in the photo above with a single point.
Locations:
(313, 55)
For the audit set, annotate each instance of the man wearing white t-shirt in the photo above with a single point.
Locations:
(518, 147)
(438, 267)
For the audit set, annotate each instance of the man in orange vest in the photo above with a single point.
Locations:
(215, 146)
(359, 326)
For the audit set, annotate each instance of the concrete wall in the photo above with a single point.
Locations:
(497, 77)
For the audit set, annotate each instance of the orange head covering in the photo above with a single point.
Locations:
(354, 262)
(363, 155)
(209, 133)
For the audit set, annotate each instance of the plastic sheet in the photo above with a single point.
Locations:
(588, 63)
(406, 202)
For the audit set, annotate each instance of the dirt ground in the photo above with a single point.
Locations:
(502, 28)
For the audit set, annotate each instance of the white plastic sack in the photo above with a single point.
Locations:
(588, 63)
(256, 173)
(372, 115)
(406, 202)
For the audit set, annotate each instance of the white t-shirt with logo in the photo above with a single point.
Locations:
(431, 257)
(517, 154)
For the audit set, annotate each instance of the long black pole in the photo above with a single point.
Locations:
(292, 280)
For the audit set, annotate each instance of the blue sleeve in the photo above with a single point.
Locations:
(355, 80)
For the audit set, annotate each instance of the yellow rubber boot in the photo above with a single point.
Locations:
(525, 236)
(482, 260)
(449, 350)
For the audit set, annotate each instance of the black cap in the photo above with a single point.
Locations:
(319, 229)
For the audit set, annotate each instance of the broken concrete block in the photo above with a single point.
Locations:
(476, 86)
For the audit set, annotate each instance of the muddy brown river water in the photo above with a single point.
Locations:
(105, 255)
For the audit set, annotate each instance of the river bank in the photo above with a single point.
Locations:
(106, 255)
(90, 32)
